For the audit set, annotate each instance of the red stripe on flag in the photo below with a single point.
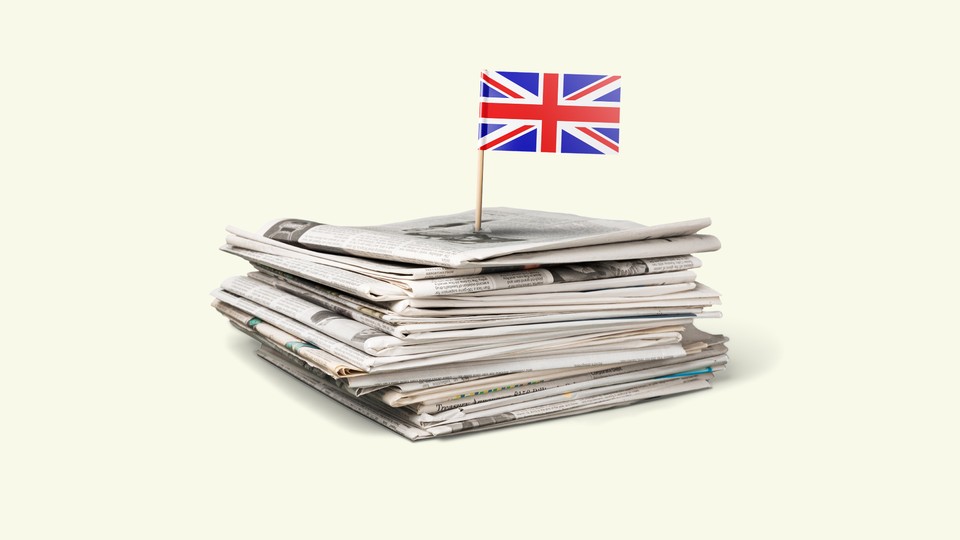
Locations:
(503, 89)
(550, 112)
(499, 140)
(595, 86)
(598, 138)
(567, 113)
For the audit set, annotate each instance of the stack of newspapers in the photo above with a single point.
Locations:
(431, 327)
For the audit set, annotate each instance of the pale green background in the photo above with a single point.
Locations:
(821, 137)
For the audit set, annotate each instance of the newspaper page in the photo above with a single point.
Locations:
(512, 306)
(354, 283)
(695, 344)
(579, 399)
(569, 277)
(681, 302)
(502, 407)
(522, 406)
(589, 345)
(592, 276)
(556, 394)
(576, 349)
(451, 241)
(344, 329)
(519, 404)
(519, 396)
(449, 410)
(656, 247)
(570, 337)
(381, 414)
(376, 343)
(476, 392)
(577, 403)
(412, 327)
(387, 270)
(451, 328)
(502, 367)
(648, 294)
(435, 391)
(397, 421)
(358, 360)
(666, 278)
(599, 296)
(307, 352)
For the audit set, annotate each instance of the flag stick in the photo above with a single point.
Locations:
(476, 224)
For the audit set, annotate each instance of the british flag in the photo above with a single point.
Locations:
(549, 112)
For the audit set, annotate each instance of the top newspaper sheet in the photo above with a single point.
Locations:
(451, 241)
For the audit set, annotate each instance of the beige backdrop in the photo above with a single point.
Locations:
(821, 137)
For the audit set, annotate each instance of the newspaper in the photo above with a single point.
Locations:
(379, 413)
(574, 350)
(308, 352)
(599, 296)
(252, 241)
(514, 365)
(241, 240)
(579, 277)
(696, 345)
(402, 312)
(451, 241)
(436, 391)
(398, 422)
(376, 343)
(646, 280)
(519, 405)
(409, 327)
(355, 283)
(656, 247)
(697, 297)
(531, 302)
(474, 392)
(432, 328)
(406, 424)
(375, 317)
(580, 398)
(579, 402)
(567, 277)
(550, 395)
(346, 330)
(519, 397)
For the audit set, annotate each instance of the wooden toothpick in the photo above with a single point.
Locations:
(476, 225)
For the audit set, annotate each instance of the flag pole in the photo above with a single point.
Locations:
(476, 224)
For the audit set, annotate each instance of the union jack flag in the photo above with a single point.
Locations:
(549, 112)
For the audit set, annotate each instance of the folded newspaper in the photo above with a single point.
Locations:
(432, 328)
